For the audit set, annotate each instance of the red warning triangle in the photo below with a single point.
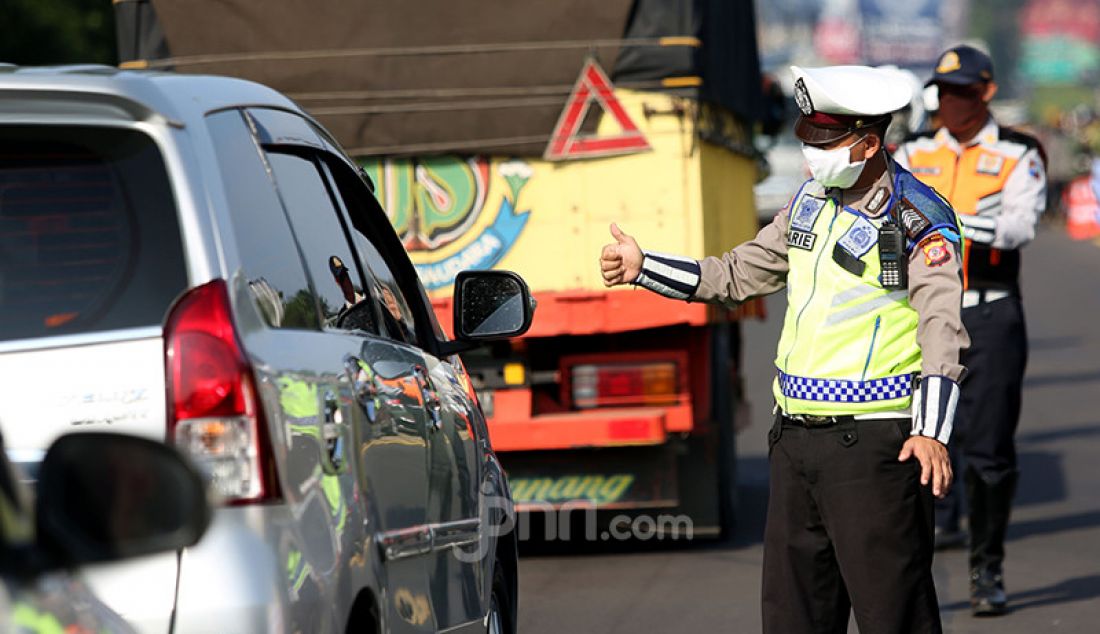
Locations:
(567, 143)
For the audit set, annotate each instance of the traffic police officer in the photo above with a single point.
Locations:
(867, 363)
(995, 179)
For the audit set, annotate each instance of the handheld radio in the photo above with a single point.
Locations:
(891, 256)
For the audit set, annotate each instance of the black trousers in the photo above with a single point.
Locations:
(849, 529)
(983, 439)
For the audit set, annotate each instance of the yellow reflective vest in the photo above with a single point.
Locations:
(849, 345)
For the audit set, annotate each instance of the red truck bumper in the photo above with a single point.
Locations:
(511, 430)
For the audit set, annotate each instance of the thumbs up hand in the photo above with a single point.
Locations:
(621, 263)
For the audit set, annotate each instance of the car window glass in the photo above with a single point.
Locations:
(397, 311)
(328, 256)
(269, 256)
(89, 235)
(389, 294)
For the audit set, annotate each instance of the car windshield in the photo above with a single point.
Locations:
(89, 238)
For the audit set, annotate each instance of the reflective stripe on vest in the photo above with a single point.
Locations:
(848, 345)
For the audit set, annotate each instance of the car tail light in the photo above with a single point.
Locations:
(213, 414)
(625, 384)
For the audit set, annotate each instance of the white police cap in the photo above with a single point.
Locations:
(836, 100)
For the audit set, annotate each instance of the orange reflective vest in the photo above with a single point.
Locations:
(973, 178)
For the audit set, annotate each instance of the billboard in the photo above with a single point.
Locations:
(909, 34)
(1060, 41)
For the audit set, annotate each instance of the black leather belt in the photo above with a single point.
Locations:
(813, 422)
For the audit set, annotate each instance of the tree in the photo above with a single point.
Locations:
(35, 32)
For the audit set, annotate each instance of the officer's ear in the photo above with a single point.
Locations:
(872, 144)
(990, 90)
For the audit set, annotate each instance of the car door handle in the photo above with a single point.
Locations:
(432, 403)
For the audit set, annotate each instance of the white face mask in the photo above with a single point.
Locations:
(832, 168)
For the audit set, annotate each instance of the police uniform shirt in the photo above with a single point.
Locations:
(760, 267)
(1004, 218)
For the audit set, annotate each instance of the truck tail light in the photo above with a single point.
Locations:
(213, 414)
(654, 383)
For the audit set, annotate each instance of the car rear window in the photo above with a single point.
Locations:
(89, 239)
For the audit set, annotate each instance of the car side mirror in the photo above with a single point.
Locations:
(491, 305)
(103, 496)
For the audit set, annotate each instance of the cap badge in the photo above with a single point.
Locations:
(949, 62)
(802, 97)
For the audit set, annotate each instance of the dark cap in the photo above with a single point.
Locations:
(963, 65)
(336, 266)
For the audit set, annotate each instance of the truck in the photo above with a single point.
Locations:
(510, 135)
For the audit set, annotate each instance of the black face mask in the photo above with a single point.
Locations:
(961, 108)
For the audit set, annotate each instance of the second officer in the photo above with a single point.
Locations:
(996, 181)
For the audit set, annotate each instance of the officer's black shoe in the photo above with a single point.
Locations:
(948, 539)
(987, 593)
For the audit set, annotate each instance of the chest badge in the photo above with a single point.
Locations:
(859, 238)
(990, 164)
(806, 214)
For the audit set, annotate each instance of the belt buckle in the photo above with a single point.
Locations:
(807, 420)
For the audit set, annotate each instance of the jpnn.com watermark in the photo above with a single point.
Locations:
(582, 520)
(573, 521)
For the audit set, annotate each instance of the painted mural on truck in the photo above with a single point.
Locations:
(451, 213)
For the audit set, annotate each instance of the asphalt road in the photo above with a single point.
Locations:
(1053, 566)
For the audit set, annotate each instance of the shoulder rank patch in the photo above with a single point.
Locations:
(935, 251)
(876, 201)
(806, 215)
(914, 221)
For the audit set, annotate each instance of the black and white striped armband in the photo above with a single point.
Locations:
(670, 275)
(934, 407)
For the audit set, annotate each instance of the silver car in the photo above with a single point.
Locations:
(194, 259)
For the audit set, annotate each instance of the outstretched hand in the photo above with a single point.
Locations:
(621, 263)
(935, 466)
